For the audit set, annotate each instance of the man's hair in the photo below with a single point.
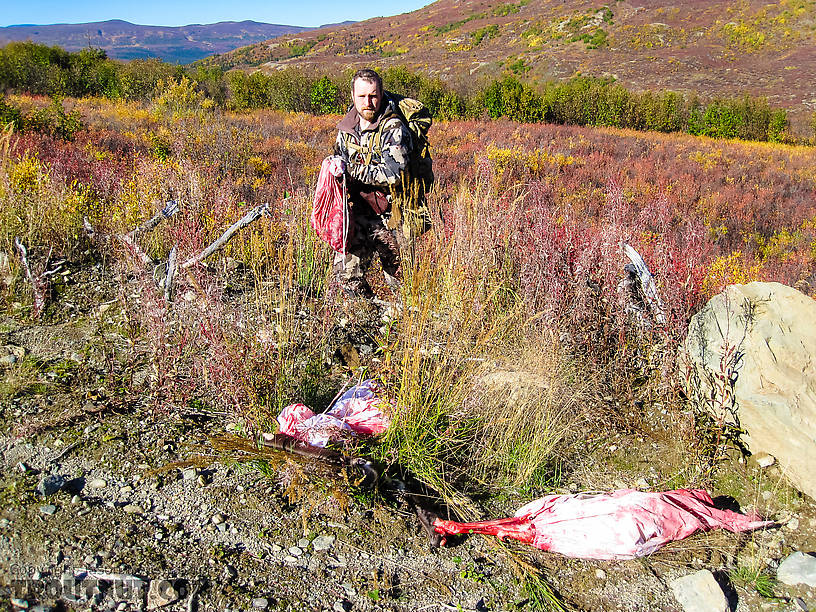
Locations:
(367, 74)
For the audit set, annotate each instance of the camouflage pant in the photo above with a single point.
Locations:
(370, 236)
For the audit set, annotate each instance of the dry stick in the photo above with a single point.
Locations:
(252, 216)
(125, 239)
(171, 274)
(170, 209)
(38, 286)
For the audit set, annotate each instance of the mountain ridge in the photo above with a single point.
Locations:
(124, 40)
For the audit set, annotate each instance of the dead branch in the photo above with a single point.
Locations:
(170, 209)
(252, 216)
(171, 274)
(38, 285)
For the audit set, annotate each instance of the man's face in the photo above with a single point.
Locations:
(367, 97)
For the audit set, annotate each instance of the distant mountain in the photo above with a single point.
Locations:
(713, 47)
(124, 40)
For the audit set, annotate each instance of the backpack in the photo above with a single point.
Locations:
(417, 118)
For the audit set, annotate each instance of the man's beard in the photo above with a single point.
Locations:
(368, 114)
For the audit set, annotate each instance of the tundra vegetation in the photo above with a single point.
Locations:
(511, 351)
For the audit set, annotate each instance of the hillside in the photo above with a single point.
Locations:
(712, 47)
(125, 41)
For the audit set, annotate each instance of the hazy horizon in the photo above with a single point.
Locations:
(311, 13)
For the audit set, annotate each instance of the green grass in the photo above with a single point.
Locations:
(750, 577)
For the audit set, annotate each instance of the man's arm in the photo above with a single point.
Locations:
(396, 142)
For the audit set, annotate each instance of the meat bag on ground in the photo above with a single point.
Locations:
(622, 524)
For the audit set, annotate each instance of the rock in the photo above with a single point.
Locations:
(189, 473)
(341, 605)
(50, 485)
(764, 460)
(303, 543)
(76, 500)
(49, 510)
(161, 593)
(295, 551)
(11, 354)
(260, 603)
(323, 542)
(792, 524)
(98, 483)
(132, 509)
(600, 574)
(217, 519)
(797, 568)
(771, 344)
(699, 592)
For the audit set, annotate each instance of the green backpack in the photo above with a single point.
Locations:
(417, 118)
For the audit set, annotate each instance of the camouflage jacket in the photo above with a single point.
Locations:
(377, 163)
(388, 158)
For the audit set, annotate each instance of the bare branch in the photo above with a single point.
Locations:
(252, 216)
(171, 274)
(38, 285)
(170, 209)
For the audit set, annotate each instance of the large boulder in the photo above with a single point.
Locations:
(751, 353)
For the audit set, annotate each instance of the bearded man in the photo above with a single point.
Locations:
(373, 150)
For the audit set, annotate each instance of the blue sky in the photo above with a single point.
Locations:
(154, 12)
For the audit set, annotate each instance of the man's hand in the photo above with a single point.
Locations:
(337, 166)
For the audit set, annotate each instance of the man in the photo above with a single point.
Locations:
(373, 150)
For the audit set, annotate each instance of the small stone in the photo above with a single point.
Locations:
(303, 543)
(764, 460)
(217, 519)
(766, 495)
(600, 574)
(699, 592)
(161, 593)
(98, 483)
(132, 509)
(792, 524)
(341, 605)
(222, 527)
(189, 473)
(126, 490)
(295, 551)
(613, 448)
(290, 559)
(8, 360)
(323, 542)
(797, 568)
(276, 547)
(189, 296)
(76, 500)
(261, 603)
(50, 485)
(49, 509)
(642, 483)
